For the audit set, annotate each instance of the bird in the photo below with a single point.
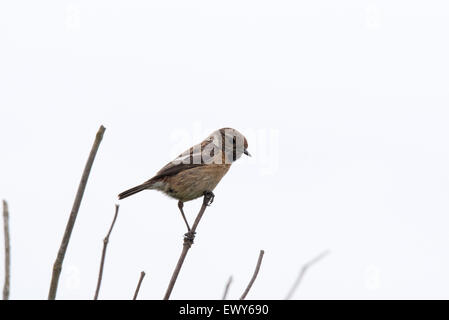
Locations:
(197, 171)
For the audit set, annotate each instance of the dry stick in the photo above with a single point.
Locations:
(188, 241)
(7, 251)
(303, 272)
(103, 254)
(226, 290)
(142, 275)
(57, 266)
(256, 271)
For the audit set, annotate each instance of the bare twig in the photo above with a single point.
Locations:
(303, 272)
(256, 271)
(103, 254)
(188, 241)
(57, 266)
(226, 290)
(142, 275)
(7, 251)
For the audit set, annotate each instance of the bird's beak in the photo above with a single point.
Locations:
(247, 153)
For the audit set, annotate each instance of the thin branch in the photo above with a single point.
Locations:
(226, 290)
(188, 241)
(142, 275)
(7, 251)
(256, 271)
(303, 272)
(57, 266)
(103, 254)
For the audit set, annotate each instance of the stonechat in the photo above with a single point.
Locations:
(198, 170)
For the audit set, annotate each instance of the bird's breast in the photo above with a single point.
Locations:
(192, 183)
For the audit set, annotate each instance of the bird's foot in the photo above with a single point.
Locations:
(208, 197)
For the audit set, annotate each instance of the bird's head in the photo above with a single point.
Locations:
(231, 142)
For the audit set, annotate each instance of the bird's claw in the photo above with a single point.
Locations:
(209, 197)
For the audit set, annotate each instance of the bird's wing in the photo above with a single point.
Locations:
(191, 158)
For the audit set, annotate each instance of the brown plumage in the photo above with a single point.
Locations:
(198, 169)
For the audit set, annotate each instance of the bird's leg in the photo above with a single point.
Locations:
(208, 197)
(180, 206)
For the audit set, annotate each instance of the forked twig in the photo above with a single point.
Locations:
(7, 251)
(303, 272)
(256, 271)
(103, 254)
(57, 266)
(142, 275)
(188, 241)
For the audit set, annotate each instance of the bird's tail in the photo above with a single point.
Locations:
(132, 191)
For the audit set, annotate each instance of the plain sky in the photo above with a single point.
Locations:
(345, 105)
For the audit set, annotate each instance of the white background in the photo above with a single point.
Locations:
(344, 104)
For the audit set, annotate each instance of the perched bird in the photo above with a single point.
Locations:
(198, 170)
